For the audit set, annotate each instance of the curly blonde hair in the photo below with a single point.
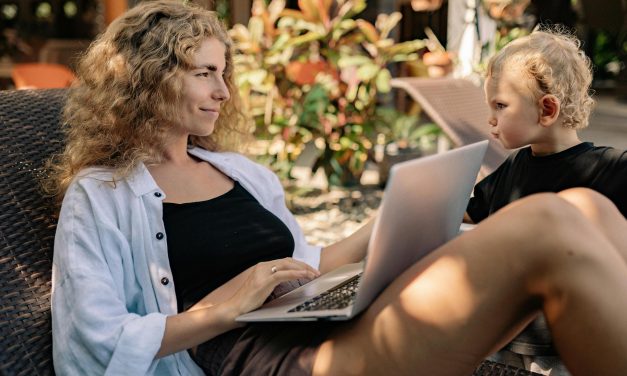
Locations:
(128, 92)
(556, 65)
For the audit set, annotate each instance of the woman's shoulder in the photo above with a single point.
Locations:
(97, 180)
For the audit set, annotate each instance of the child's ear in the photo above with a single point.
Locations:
(549, 110)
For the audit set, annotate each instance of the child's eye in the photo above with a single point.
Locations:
(499, 106)
(202, 74)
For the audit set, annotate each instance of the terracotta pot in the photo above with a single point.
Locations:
(426, 5)
(438, 63)
(304, 73)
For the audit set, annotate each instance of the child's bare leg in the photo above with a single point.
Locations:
(453, 308)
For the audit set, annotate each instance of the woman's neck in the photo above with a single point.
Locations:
(175, 152)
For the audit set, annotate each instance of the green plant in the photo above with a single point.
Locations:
(606, 55)
(405, 131)
(313, 75)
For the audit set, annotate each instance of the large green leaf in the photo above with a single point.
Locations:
(405, 47)
(255, 77)
(351, 8)
(368, 30)
(368, 71)
(274, 9)
(359, 60)
(385, 23)
(255, 26)
(383, 81)
(306, 38)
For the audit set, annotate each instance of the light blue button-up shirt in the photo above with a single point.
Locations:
(109, 305)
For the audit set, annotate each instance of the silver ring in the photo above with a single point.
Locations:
(273, 269)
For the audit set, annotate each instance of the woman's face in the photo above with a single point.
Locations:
(204, 89)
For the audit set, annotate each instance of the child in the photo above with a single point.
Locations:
(537, 91)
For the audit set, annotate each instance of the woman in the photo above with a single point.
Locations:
(148, 123)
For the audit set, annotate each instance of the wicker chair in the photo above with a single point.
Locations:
(29, 135)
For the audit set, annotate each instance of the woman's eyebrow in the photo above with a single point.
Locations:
(210, 67)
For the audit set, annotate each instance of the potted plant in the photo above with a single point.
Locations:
(405, 138)
(313, 75)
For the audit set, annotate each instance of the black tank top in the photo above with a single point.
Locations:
(210, 242)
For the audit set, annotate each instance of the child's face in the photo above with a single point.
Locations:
(514, 114)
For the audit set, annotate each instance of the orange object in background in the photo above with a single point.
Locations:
(113, 9)
(41, 76)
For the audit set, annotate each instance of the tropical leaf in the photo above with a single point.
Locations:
(351, 8)
(314, 74)
(347, 61)
(306, 38)
(291, 14)
(385, 23)
(383, 81)
(369, 31)
(274, 9)
(310, 10)
(255, 77)
(367, 72)
(405, 47)
(256, 28)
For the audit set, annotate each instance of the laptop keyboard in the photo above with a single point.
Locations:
(490, 368)
(340, 296)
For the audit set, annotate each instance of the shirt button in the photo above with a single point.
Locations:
(159, 235)
(157, 194)
(165, 281)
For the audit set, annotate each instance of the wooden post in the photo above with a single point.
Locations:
(240, 11)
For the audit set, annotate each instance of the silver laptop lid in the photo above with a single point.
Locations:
(423, 207)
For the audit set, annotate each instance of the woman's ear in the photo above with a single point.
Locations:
(549, 109)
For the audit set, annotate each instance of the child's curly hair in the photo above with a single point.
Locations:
(556, 65)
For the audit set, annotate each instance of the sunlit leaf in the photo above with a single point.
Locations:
(367, 72)
(255, 77)
(383, 81)
(275, 8)
(291, 14)
(385, 23)
(255, 26)
(346, 61)
(352, 8)
(309, 9)
(309, 37)
(368, 30)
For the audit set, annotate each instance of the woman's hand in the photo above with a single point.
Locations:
(263, 278)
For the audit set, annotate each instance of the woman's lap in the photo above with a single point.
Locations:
(265, 348)
(277, 349)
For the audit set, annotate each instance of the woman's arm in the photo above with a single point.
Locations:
(346, 251)
(190, 328)
(216, 314)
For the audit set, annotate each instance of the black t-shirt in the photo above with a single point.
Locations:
(603, 169)
(210, 242)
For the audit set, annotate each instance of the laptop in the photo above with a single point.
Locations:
(423, 206)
